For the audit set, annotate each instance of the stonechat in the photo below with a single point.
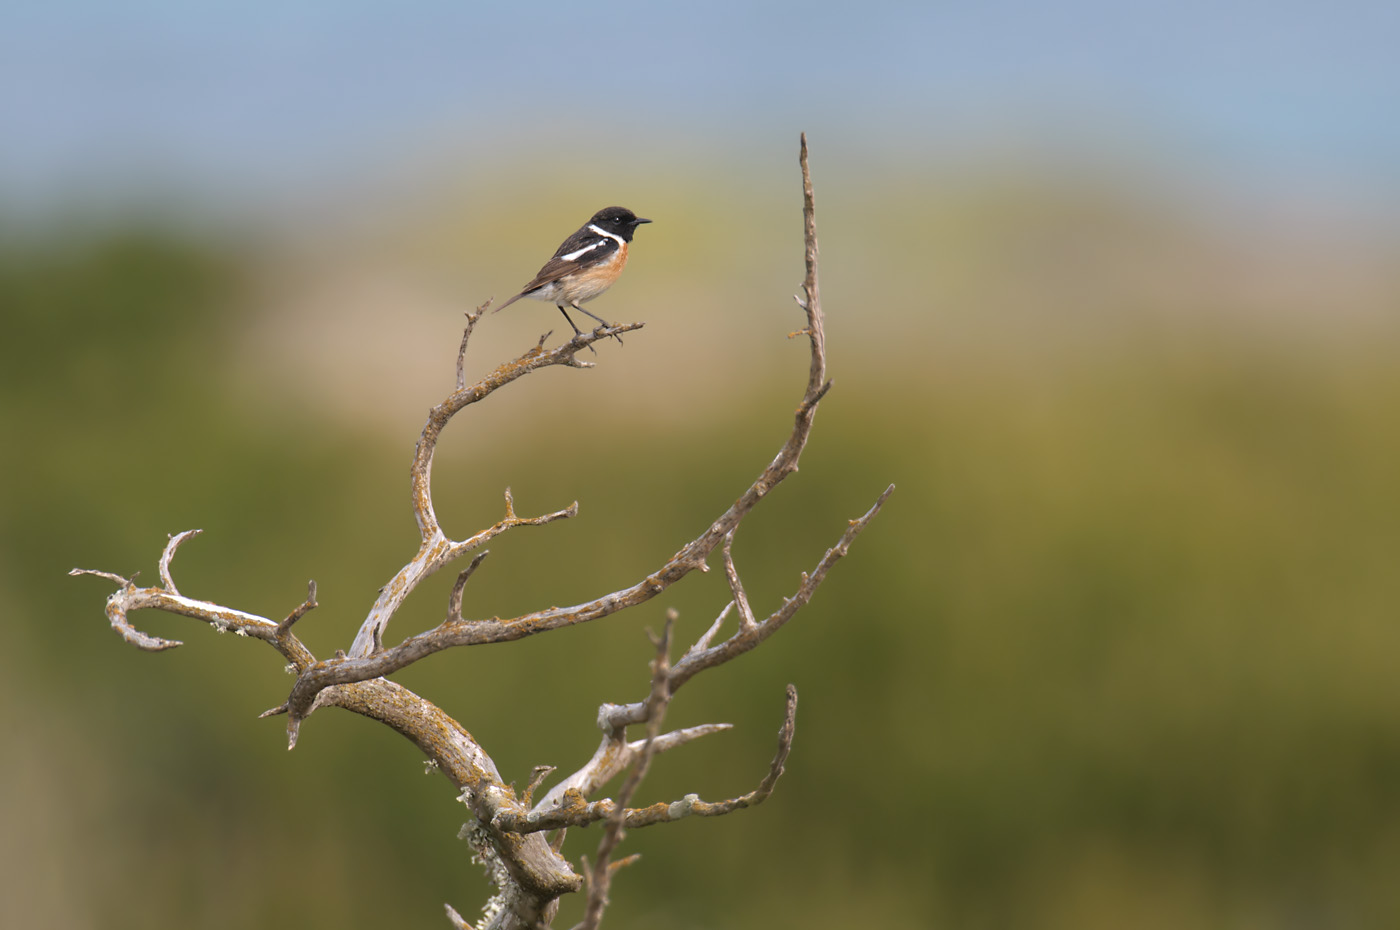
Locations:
(585, 265)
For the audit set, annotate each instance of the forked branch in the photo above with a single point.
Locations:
(508, 831)
(366, 660)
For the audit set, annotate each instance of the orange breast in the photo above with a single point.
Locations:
(585, 285)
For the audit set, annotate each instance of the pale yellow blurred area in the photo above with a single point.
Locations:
(1003, 272)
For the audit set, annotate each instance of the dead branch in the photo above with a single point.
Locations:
(506, 832)
(571, 810)
(472, 318)
(167, 598)
(360, 665)
(601, 873)
(301, 610)
(614, 756)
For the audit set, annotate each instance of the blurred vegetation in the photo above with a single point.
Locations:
(1120, 651)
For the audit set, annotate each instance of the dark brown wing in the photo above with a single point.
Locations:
(586, 248)
(554, 269)
(599, 249)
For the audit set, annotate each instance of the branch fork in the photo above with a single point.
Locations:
(507, 832)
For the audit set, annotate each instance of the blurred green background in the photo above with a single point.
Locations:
(1112, 298)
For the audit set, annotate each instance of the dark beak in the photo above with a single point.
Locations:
(639, 221)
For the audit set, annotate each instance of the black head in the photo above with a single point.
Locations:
(619, 221)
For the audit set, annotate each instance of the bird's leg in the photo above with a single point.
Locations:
(577, 331)
(596, 317)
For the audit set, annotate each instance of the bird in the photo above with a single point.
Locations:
(585, 265)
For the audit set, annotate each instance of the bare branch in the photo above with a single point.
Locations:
(613, 757)
(466, 335)
(223, 619)
(119, 605)
(454, 600)
(624, 862)
(436, 550)
(128, 597)
(775, 768)
(691, 804)
(537, 871)
(169, 554)
(816, 319)
(507, 832)
(532, 360)
(736, 587)
(613, 832)
(469, 633)
(708, 636)
(662, 812)
(117, 611)
(116, 579)
(456, 918)
(698, 659)
(537, 776)
(301, 610)
(702, 655)
(573, 811)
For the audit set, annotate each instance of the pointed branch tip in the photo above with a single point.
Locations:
(301, 610)
(174, 543)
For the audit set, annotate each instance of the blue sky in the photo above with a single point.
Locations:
(247, 100)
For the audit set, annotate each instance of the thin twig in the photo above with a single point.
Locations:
(613, 832)
(614, 755)
(573, 811)
(736, 587)
(309, 604)
(116, 579)
(454, 600)
(537, 776)
(466, 335)
(697, 660)
(169, 553)
(457, 920)
(816, 319)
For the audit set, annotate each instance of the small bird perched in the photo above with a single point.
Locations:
(585, 265)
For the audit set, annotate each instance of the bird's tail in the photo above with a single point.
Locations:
(509, 302)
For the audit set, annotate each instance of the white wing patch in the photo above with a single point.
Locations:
(574, 256)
